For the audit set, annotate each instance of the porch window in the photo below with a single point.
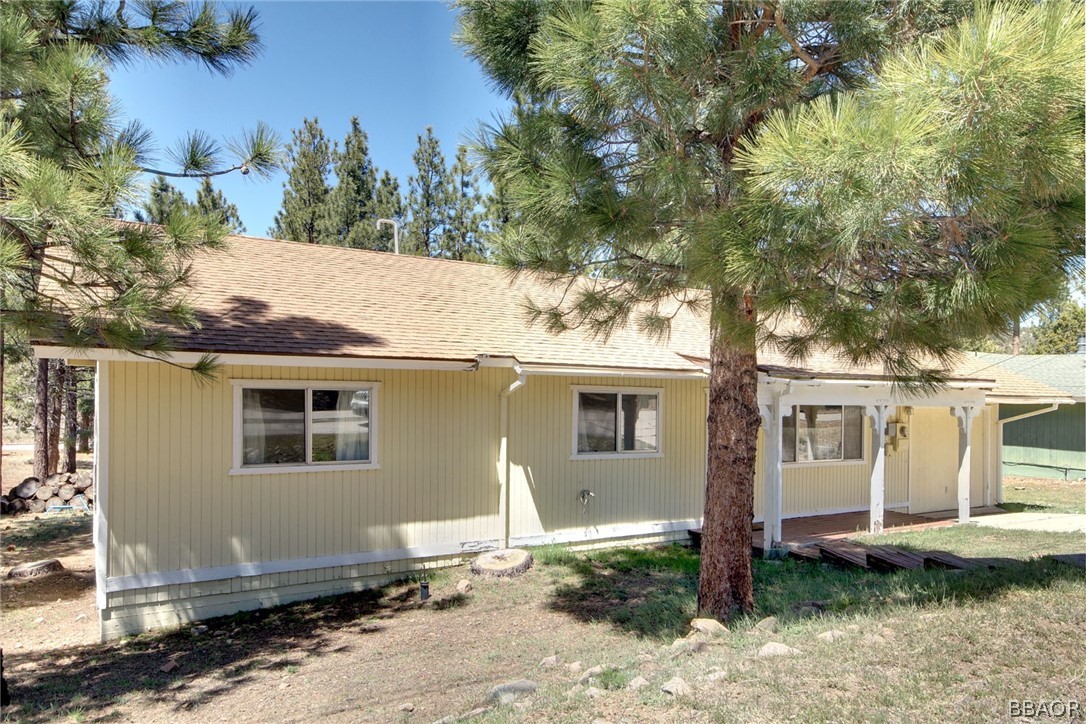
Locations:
(616, 422)
(820, 433)
(293, 428)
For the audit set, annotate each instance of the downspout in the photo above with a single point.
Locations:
(504, 466)
(999, 443)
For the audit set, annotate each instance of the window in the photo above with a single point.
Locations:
(287, 427)
(611, 422)
(814, 433)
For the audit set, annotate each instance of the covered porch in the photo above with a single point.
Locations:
(815, 528)
(797, 416)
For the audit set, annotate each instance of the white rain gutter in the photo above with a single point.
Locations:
(999, 441)
(504, 465)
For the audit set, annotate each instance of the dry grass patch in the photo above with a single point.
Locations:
(1044, 495)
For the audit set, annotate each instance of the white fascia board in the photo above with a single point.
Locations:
(372, 363)
(1009, 400)
(643, 373)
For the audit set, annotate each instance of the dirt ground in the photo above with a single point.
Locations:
(384, 655)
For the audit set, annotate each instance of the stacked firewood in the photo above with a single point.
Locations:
(62, 489)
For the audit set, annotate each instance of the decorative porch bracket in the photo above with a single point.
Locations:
(879, 415)
(966, 414)
(772, 505)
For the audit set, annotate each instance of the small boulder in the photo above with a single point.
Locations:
(464, 586)
(169, 666)
(590, 674)
(574, 668)
(707, 626)
(511, 691)
(549, 663)
(637, 682)
(773, 648)
(676, 687)
(831, 635)
(81, 617)
(873, 639)
(592, 692)
(767, 624)
(407, 707)
(716, 676)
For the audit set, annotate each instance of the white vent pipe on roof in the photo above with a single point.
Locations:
(395, 233)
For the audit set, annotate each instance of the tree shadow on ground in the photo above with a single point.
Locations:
(225, 652)
(653, 592)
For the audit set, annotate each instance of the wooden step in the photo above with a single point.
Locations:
(892, 558)
(996, 562)
(695, 538)
(942, 559)
(1072, 559)
(810, 554)
(844, 553)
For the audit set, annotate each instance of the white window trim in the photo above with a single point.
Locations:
(619, 454)
(828, 463)
(308, 385)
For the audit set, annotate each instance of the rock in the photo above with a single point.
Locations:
(592, 692)
(767, 624)
(507, 562)
(590, 674)
(716, 676)
(509, 692)
(81, 617)
(35, 568)
(549, 663)
(39, 619)
(408, 707)
(199, 630)
(169, 666)
(873, 639)
(774, 648)
(574, 668)
(644, 657)
(676, 687)
(831, 635)
(10, 548)
(637, 682)
(808, 612)
(464, 586)
(708, 626)
(699, 647)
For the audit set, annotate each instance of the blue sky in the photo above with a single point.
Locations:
(392, 64)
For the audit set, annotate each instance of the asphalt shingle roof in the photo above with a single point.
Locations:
(1064, 372)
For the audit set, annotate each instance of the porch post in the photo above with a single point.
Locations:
(879, 414)
(965, 414)
(772, 494)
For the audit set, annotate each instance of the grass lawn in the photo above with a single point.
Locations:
(917, 645)
(1043, 495)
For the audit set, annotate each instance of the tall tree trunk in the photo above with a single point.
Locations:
(56, 399)
(71, 418)
(1016, 337)
(726, 581)
(41, 420)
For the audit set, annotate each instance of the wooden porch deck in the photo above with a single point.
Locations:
(811, 529)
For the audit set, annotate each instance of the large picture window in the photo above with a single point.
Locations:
(817, 433)
(614, 422)
(291, 427)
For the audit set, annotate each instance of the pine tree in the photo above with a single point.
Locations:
(349, 219)
(461, 238)
(67, 168)
(305, 192)
(212, 203)
(427, 202)
(1059, 331)
(820, 158)
(163, 201)
(387, 204)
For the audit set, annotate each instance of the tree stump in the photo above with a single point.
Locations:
(507, 562)
(36, 568)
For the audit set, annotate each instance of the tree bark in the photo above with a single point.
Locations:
(1, 402)
(71, 419)
(726, 581)
(41, 420)
(86, 417)
(56, 399)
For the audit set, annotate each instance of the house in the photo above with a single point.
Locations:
(374, 414)
(1038, 440)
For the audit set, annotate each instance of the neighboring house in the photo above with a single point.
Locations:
(376, 413)
(1038, 440)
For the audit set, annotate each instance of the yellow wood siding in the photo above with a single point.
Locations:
(173, 504)
(546, 483)
(934, 446)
